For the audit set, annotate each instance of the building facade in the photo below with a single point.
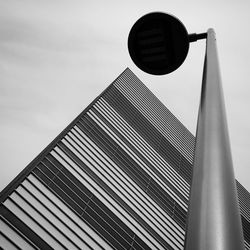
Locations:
(118, 177)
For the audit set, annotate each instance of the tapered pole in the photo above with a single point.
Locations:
(213, 218)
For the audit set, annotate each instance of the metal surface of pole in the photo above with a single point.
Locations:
(213, 218)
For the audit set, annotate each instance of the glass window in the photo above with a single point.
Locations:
(66, 214)
(60, 192)
(114, 222)
(5, 243)
(65, 177)
(52, 218)
(90, 209)
(25, 215)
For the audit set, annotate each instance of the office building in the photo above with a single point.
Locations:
(118, 177)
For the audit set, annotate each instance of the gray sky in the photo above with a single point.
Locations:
(56, 56)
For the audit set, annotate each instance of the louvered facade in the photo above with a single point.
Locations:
(118, 177)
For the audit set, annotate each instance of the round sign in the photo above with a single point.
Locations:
(158, 43)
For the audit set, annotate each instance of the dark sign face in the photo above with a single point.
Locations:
(158, 43)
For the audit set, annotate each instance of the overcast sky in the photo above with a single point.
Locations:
(56, 56)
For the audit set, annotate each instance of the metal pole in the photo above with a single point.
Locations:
(213, 218)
